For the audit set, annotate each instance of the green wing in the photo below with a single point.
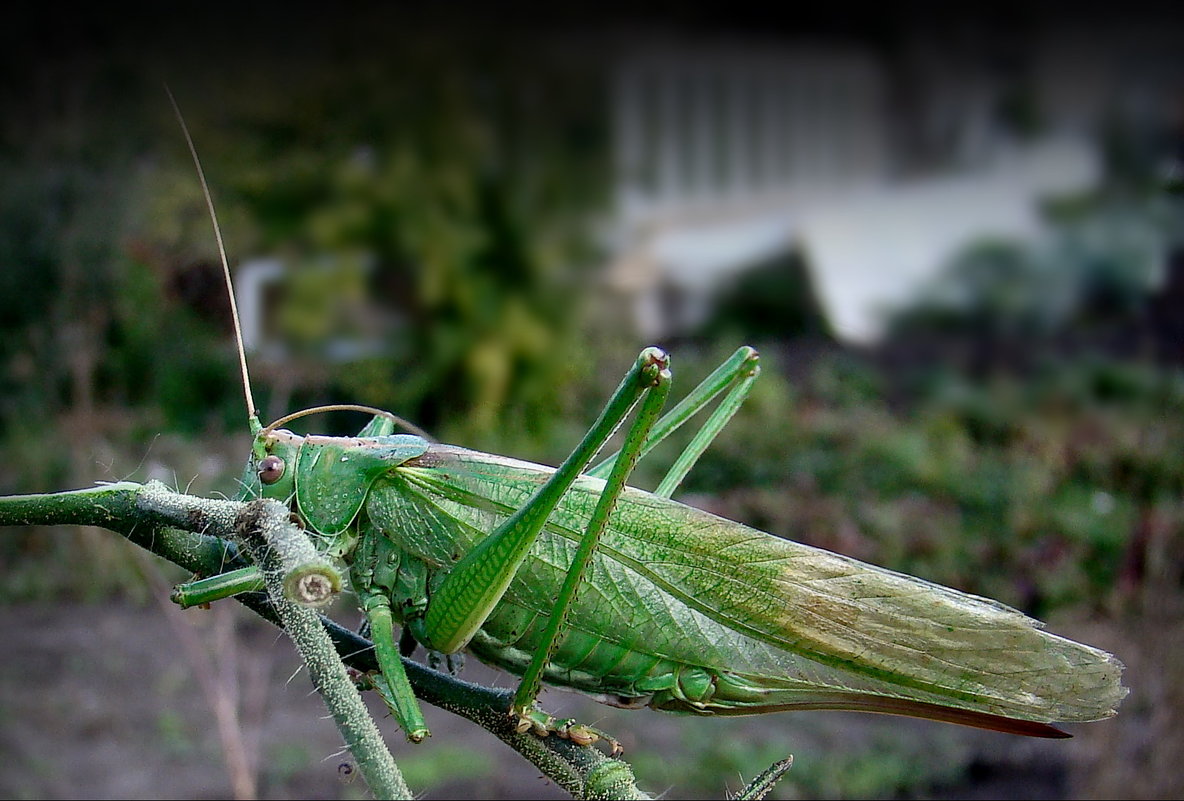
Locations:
(792, 624)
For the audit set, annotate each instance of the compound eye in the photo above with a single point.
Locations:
(270, 469)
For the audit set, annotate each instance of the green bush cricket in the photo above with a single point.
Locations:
(571, 577)
(568, 576)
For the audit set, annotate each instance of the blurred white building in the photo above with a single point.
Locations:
(726, 157)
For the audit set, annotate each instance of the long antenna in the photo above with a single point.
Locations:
(252, 413)
(349, 407)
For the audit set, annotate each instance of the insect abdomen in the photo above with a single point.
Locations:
(583, 661)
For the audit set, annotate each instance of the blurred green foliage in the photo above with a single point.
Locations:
(774, 299)
(443, 184)
(465, 191)
(427, 195)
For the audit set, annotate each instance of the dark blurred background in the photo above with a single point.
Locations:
(954, 235)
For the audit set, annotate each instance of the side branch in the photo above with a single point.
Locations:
(194, 533)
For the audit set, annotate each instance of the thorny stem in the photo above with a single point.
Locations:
(195, 534)
(280, 549)
(763, 784)
(305, 577)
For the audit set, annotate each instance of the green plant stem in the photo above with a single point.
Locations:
(762, 785)
(280, 549)
(196, 534)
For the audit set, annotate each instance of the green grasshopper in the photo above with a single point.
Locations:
(571, 577)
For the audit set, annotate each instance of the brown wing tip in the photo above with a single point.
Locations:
(1045, 730)
(966, 717)
(917, 709)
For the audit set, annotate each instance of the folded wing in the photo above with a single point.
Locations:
(796, 620)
